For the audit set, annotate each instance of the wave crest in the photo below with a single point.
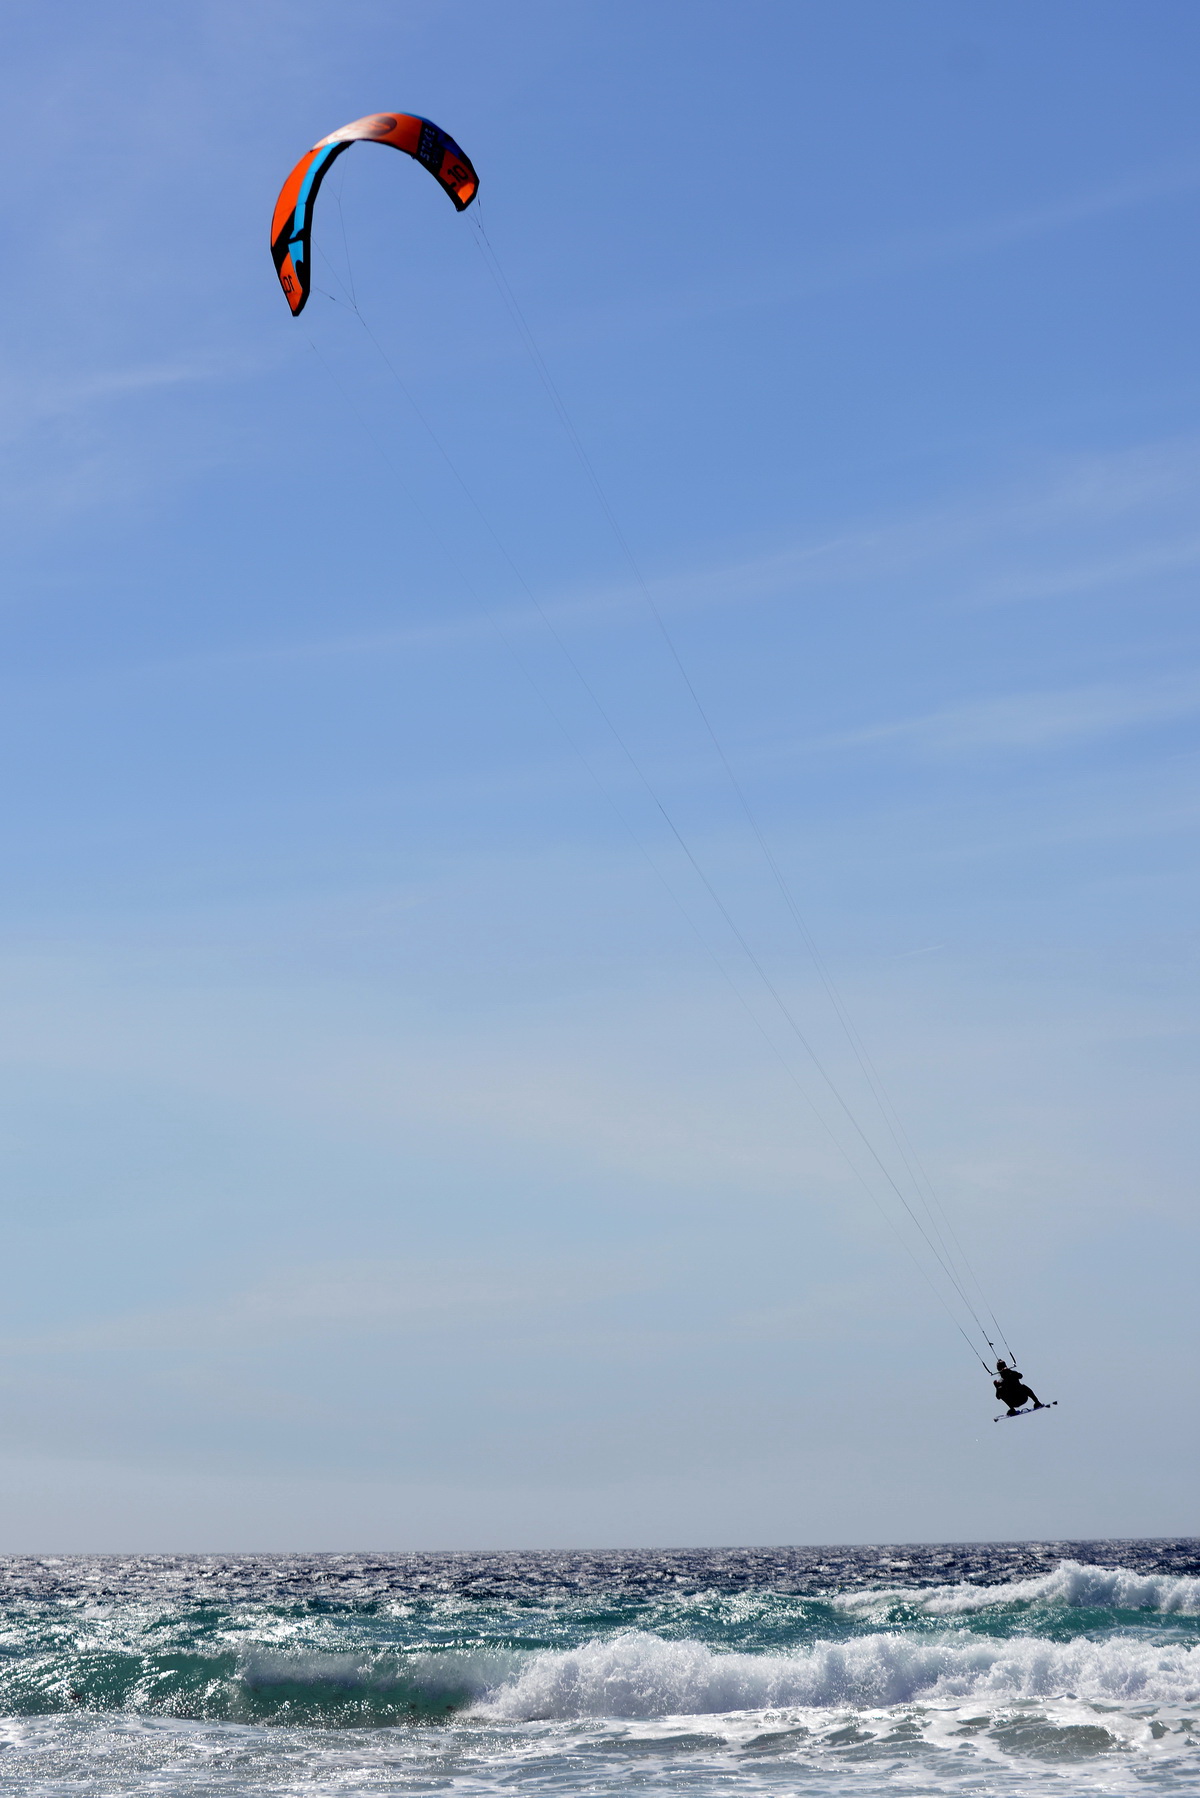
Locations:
(1072, 1585)
(638, 1676)
(633, 1675)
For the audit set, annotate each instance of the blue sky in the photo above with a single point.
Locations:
(391, 1157)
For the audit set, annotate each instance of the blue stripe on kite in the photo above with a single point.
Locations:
(307, 184)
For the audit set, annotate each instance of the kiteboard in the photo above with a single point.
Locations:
(1046, 1406)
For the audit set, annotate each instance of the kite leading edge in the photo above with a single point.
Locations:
(291, 224)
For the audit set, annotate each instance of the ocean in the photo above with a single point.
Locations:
(986, 1668)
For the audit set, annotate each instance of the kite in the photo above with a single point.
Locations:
(291, 225)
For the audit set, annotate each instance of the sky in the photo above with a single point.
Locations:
(399, 1145)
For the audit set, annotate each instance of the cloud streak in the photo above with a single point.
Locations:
(1038, 720)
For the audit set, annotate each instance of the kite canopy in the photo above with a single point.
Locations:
(291, 226)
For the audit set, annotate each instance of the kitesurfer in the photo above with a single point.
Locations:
(1011, 1389)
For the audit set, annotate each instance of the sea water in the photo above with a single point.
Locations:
(1029, 1668)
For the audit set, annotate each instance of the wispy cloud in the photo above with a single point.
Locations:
(66, 447)
(30, 401)
(832, 267)
(383, 1296)
(1043, 526)
(922, 248)
(1090, 574)
(1036, 720)
(1033, 519)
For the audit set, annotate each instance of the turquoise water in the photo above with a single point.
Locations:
(988, 1668)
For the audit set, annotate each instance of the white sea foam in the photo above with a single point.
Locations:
(1072, 1584)
(637, 1675)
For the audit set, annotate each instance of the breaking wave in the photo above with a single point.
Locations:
(1072, 1585)
(638, 1675)
(632, 1675)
